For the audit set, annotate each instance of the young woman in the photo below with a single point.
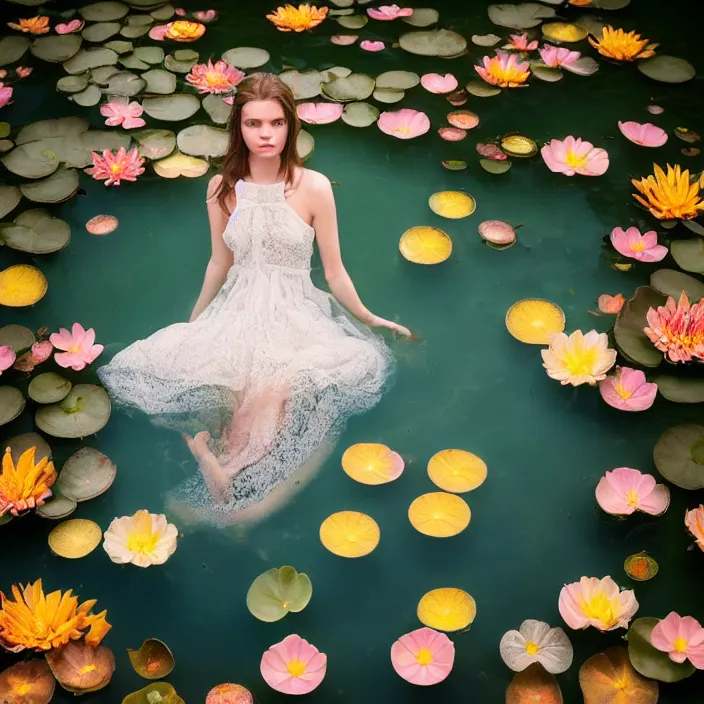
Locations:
(268, 366)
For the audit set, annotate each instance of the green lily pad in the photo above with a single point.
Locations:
(163, 13)
(203, 140)
(125, 84)
(155, 144)
(60, 127)
(343, 3)
(480, 89)
(56, 49)
(438, 42)
(13, 48)
(10, 196)
(671, 282)
(694, 227)
(173, 64)
(172, 108)
(96, 141)
(153, 660)
(49, 388)
(140, 20)
(360, 114)
(689, 254)
(667, 69)
(131, 61)
(631, 341)
(159, 81)
(178, 164)
(137, 26)
(388, 96)
(85, 411)
(186, 55)
(681, 389)
(278, 591)
(73, 84)
(494, 166)
(649, 661)
(87, 59)
(397, 80)
(101, 31)
(104, 11)
(218, 110)
(341, 13)
(5, 129)
(523, 16)
(60, 186)
(422, 17)
(21, 443)
(120, 46)
(86, 475)
(12, 403)
(352, 21)
(485, 39)
(103, 74)
(155, 693)
(32, 160)
(246, 57)
(355, 87)
(330, 74)
(610, 4)
(150, 54)
(37, 232)
(547, 73)
(304, 85)
(679, 456)
(6, 145)
(88, 97)
(18, 337)
(305, 144)
(455, 165)
(57, 507)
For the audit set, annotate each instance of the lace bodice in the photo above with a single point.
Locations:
(265, 232)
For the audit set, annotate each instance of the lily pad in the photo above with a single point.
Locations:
(150, 54)
(75, 538)
(21, 285)
(330, 74)
(134, 30)
(689, 254)
(422, 17)
(564, 32)
(173, 64)
(304, 85)
(28, 682)
(455, 165)
(495, 167)
(155, 144)
(126, 84)
(305, 144)
(172, 108)
(31, 160)
(85, 411)
(56, 48)
(277, 592)
(133, 62)
(667, 69)
(13, 48)
(181, 165)
(48, 388)
(186, 55)
(355, 87)
(452, 204)
(44, 129)
(10, 196)
(360, 114)
(18, 337)
(611, 4)
(96, 141)
(631, 341)
(88, 97)
(87, 59)
(694, 227)
(679, 456)
(388, 96)
(155, 693)
(153, 660)
(21, 443)
(480, 89)
(103, 74)
(73, 84)
(517, 145)
(218, 110)
(439, 42)
(57, 507)
(104, 11)
(523, 16)
(680, 389)
(534, 685)
(352, 21)
(12, 403)
(397, 80)
(100, 31)
(60, 186)
(160, 81)
(671, 282)
(425, 245)
(163, 13)
(547, 74)
(81, 668)
(586, 66)
(485, 39)
(121, 46)
(246, 57)
(203, 140)
(649, 661)
(609, 678)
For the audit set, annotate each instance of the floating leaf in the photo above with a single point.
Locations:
(57, 507)
(464, 119)
(172, 108)
(689, 254)
(631, 341)
(18, 337)
(12, 403)
(48, 388)
(103, 11)
(179, 65)
(534, 685)
(36, 232)
(388, 96)
(304, 85)
(457, 471)
(331, 74)
(277, 592)
(610, 4)
(160, 81)
(150, 54)
(480, 89)
(153, 660)
(305, 144)
(28, 682)
(60, 186)
(680, 389)
(667, 69)
(163, 13)
(75, 538)
(439, 514)
(82, 668)
(609, 678)
(84, 411)
(88, 97)
(523, 16)
(649, 661)
(134, 63)
(585, 66)
(564, 32)
(546, 73)
(671, 282)
(353, 21)
(73, 84)
(640, 567)
(425, 245)
(360, 114)
(181, 165)
(86, 474)
(447, 609)
(101, 31)
(128, 84)
(87, 59)
(517, 145)
(246, 57)
(422, 17)
(349, 534)
(534, 320)
(155, 144)
(455, 165)
(102, 224)
(452, 204)
(13, 48)
(203, 140)
(218, 110)
(495, 167)
(679, 456)
(10, 196)
(355, 87)
(120, 46)
(438, 42)
(485, 39)
(32, 160)
(21, 443)
(56, 49)
(21, 285)
(371, 463)
(397, 80)
(102, 74)
(155, 693)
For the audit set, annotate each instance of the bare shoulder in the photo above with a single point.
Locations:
(214, 186)
(315, 183)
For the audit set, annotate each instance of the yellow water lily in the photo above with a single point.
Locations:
(578, 358)
(670, 195)
(33, 25)
(622, 46)
(297, 19)
(26, 485)
(184, 31)
(143, 539)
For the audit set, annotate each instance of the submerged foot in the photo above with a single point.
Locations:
(216, 479)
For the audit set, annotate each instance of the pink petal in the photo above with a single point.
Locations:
(41, 351)
(70, 360)
(568, 606)
(369, 45)
(656, 502)
(130, 123)
(344, 39)
(597, 163)
(665, 633)
(645, 135)
(62, 340)
(610, 500)
(319, 113)
(7, 357)
(158, 32)
(435, 83)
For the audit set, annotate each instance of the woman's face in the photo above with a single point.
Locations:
(264, 127)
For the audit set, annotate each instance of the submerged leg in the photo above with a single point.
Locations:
(216, 479)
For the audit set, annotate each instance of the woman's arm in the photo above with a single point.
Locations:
(326, 233)
(220, 257)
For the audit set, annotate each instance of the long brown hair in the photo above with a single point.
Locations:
(235, 166)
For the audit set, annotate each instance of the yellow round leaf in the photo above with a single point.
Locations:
(349, 534)
(425, 245)
(370, 463)
(21, 285)
(533, 320)
(179, 164)
(452, 204)
(640, 567)
(519, 146)
(456, 471)
(447, 609)
(439, 515)
(75, 538)
(564, 32)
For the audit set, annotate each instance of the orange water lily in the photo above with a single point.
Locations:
(26, 485)
(184, 31)
(297, 19)
(35, 621)
(622, 46)
(670, 195)
(34, 25)
(503, 70)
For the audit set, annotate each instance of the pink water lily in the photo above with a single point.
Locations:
(645, 135)
(344, 39)
(23, 71)
(120, 111)
(503, 70)
(404, 124)
(293, 666)
(632, 244)
(520, 43)
(596, 602)
(611, 305)
(624, 491)
(40, 352)
(114, 168)
(424, 656)
(558, 57)
(319, 113)
(389, 12)
(572, 156)
(677, 329)
(628, 390)
(694, 521)
(180, 12)
(7, 357)
(205, 15)
(681, 637)
(369, 45)
(229, 100)
(70, 27)
(219, 77)
(78, 345)
(436, 83)
(5, 95)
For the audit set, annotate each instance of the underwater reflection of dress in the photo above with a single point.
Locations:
(268, 329)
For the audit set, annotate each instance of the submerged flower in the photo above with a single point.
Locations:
(291, 19)
(40, 352)
(558, 57)
(34, 25)
(26, 485)
(631, 243)
(41, 622)
(205, 15)
(78, 345)
(503, 70)
(23, 71)
(677, 329)
(113, 168)
(670, 196)
(621, 46)
(184, 31)
(491, 151)
(596, 602)
(5, 94)
(7, 357)
(611, 305)
(624, 491)
(389, 12)
(344, 39)
(319, 113)
(628, 390)
(579, 358)
(681, 637)
(143, 539)
(436, 83)
(293, 666)
(369, 45)
(120, 111)
(533, 642)
(404, 124)
(572, 156)
(70, 27)
(694, 520)
(423, 657)
(645, 135)
(219, 77)
(520, 43)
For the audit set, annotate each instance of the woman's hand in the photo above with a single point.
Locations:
(377, 322)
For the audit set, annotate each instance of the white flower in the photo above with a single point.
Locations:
(579, 358)
(143, 539)
(535, 641)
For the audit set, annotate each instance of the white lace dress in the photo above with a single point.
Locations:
(268, 328)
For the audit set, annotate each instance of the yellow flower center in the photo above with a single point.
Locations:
(142, 542)
(296, 668)
(632, 498)
(402, 130)
(600, 609)
(638, 246)
(532, 648)
(424, 657)
(622, 391)
(23, 689)
(86, 669)
(575, 161)
(115, 167)
(581, 362)
(681, 645)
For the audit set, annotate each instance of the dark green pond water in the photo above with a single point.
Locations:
(467, 383)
